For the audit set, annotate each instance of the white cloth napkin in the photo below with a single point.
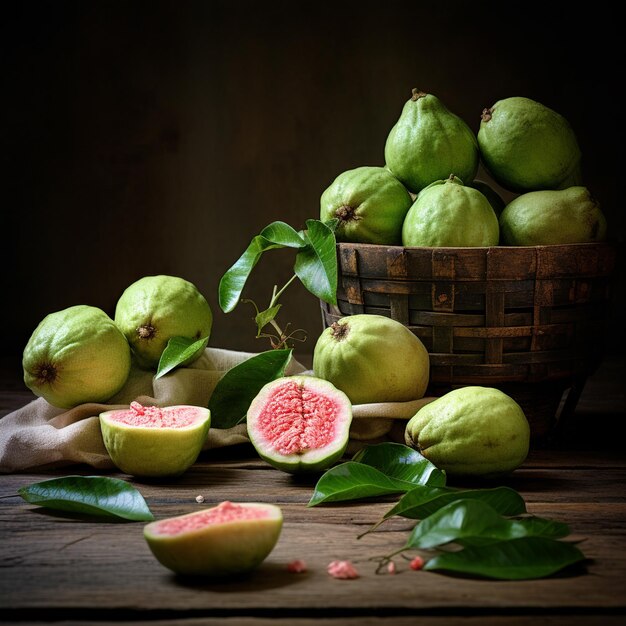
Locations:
(39, 435)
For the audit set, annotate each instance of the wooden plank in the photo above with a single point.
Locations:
(72, 569)
(486, 620)
(94, 565)
(56, 563)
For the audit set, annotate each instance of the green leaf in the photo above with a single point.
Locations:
(399, 461)
(235, 391)
(474, 522)
(353, 481)
(275, 235)
(518, 559)
(316, 264)
(424, 500)
(90, 495)
(180, 351)
(263, 318)
(376, 470)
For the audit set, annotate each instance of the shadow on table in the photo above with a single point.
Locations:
(267, 576)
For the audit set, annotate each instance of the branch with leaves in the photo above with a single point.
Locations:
(315, 266)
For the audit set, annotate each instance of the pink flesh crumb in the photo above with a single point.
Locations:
(156, 417)
(417, 563)
(221, 514)
(342, 569)
(296, 567)
(295, 419)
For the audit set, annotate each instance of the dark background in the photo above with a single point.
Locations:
(158, 137)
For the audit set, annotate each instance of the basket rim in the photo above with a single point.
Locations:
(552, 247)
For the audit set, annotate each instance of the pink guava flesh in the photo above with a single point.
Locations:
(295, 419)
(156, 417)
(221, 514)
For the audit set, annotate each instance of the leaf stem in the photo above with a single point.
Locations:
(276, 295)
(372, 528)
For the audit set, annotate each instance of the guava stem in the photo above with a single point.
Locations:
(417, 94)
(486, 115)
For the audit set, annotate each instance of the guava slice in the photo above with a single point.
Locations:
(230, 538)
(154, 441)
(300, 423)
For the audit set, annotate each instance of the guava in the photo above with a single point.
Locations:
(553, 217)
(471, 431)
(495, 199)
(526, 146)
(76, 355)
(156, 308)
(224, 540)
(449, 214)
(370, 204)
(428, 142)
(154, 441)
(372, 358)
(300, 424)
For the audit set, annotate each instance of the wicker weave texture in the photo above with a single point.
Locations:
(487, 315)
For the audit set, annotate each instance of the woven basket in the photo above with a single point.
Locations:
(527, 320)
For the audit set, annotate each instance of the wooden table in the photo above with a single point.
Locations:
(71, 571)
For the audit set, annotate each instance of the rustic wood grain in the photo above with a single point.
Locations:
(446, 620)
(69, 570)
(54, 562)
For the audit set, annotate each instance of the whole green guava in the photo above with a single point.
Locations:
(428, 142)
(76, 355)
(370, 204)
(156, 308)
(450, 214)
(372, 358)
(527, 146)
(471, 431)
(553, 217)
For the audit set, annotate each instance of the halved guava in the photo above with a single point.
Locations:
(300, 423)
(154, 441)
(230, 538)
